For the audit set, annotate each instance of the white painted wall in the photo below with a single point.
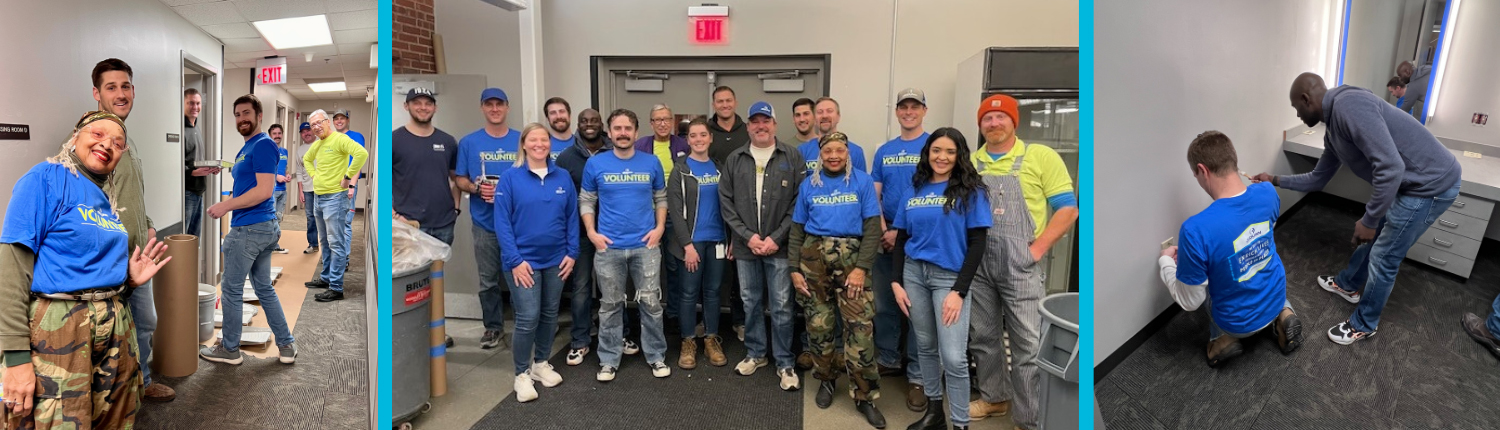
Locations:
(481, 39)
(1470, 76)
(1167, 70)
(55, 45)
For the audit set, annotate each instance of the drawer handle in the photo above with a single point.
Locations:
(1442, 242)
(1459, 204)
(1439, 262)
(1449, 224)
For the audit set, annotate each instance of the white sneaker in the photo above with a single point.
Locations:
(525, 392)
(631, 348)
(1328, 283)
(660, 370)
(606, 373)
(748, 365)
(788, 379)
(575, 356)
(542, 371)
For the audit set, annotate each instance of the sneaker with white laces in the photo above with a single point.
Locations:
(748, 365)
(575, 356)
(1344, 334)
(631, 348)
(1330, 285)
(659, 369)
(788, 379)
(525, 390)
(541, 371)
(606, 373)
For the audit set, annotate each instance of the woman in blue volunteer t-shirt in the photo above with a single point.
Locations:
(67, 269)
(699, 245)
(940, 237)
(536, 222)
(835, 234)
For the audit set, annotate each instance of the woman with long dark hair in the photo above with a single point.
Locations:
(940, 238)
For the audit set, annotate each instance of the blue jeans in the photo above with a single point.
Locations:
(192, 203)
(444, 234)
(349, 222)
(143, 308)
(581, 284)
(487, 257)
(278, 198)
(942, 348)
(1374, 264)
(702, 283)
(310, 207)
(332, 208)
(247, 250)
(1492, 323)
(536, 316)
(670, 283)
(643, 267)
(888, 322)
(759, 276)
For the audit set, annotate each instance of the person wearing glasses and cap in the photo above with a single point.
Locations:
(483, 156)
(332, 178)
(66, 268)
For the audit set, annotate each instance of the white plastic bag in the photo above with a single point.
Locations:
(411, 249)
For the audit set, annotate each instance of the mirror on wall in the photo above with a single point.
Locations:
(1389, 48)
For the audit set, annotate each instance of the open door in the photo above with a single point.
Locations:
(201, 141)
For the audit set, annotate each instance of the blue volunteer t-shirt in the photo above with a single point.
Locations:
(936, 237)
(836, 209)
(359, 138)
(480, 154)
(895, 164)
(257, 156)
(558, 145)
(709, 225)
(809, 152)
(67, 221)
(1230, 245)
(281, 169)
(626, 211)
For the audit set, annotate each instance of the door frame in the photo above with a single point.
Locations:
(209, 259)
(595, 62)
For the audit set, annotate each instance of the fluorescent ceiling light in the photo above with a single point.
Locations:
(288, 33)
(327, 87)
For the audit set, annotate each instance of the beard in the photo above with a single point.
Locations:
(245, 128)
(562, 128)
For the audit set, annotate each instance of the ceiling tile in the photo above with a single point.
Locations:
(355, 59)
(319, 52)
(363, 35)
(359, 71)
(245, 45)
(350, 5)
(368, 18)
(247, 57)
(260, 10)
(210, 13)
(186, 2)
(354, 48)
(237, 30)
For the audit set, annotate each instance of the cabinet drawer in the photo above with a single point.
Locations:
(1476, 207)
(1462, 225)
(1442, 260)
(1445, 241)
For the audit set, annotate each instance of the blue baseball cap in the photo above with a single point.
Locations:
(493, 93)
(305, 126)
(762, 108)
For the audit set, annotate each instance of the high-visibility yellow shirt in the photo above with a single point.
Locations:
(1043, 176)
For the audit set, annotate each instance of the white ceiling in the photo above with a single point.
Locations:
(353, 22)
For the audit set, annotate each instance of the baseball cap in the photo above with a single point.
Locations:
(999, 103)
(493, 93)
(413, 93)
(344, 112)
(762, 108)
(911, 94)
(305, 126)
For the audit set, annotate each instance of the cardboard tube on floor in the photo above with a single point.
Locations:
(439, 334)
(175, 352)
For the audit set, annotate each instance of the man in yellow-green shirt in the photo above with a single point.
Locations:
(1026, 183)
(328, 162)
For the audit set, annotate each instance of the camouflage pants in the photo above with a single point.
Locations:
(87, 374)
(826, 262)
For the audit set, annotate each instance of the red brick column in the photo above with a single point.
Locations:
(411, 37)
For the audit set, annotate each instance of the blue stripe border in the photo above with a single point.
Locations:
(1086, 105)
(383, 189)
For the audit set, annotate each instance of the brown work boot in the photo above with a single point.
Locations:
(713, 347)
(159, 393)
(916, 399)
(1288, 331)
(805, 360)
(980, 409)
(689, 358)
(1223, 348)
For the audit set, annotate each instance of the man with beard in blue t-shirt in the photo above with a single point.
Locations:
(1227, 261)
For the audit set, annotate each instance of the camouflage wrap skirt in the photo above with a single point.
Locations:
(87, 372)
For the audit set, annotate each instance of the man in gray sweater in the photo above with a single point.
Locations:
(1414, 178)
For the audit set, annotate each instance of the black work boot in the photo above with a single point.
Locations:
(825, 394)
(872, 415)
(933, 419)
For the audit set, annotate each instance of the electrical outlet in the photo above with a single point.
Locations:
(1480, 119)
(1170, 242)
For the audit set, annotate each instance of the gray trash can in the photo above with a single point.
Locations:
(411, 344)
(206, 298)
(1058, 356)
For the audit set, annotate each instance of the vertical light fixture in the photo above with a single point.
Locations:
(1450, 19)
(1343, 42)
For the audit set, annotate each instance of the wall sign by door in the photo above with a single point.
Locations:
(15, 132)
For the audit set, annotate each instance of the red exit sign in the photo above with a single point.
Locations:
(710, 30)
(270, 71)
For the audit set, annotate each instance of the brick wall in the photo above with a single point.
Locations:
(411, 37)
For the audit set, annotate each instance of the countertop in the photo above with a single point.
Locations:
(1481, 176)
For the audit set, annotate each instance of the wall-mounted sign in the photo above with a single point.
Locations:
(270, 71)
(173, 137)
(15, 132)
(709, 24)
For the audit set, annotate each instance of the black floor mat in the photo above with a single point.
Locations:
(1419, 371)
(707, 397)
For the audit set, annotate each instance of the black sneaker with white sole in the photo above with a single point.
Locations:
(280, 250)
(1344, 334)
(1329, 285)
(491, 339)
(329, 296)
(575, 356)
(316, 283)
(631, 348)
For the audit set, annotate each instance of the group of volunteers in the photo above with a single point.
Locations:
(931, 237)
(78, 251)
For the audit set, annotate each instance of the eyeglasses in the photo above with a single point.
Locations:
(661, 120)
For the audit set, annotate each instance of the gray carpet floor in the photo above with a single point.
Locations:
(1420, 371)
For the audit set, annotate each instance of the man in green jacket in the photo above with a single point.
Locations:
(333, 175)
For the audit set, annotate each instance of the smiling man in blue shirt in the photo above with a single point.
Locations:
(488, 152)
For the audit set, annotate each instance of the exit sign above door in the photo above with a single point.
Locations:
(270, 71)
(709, 24)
